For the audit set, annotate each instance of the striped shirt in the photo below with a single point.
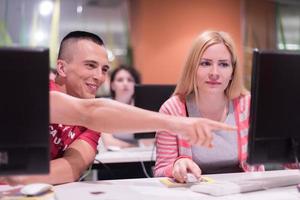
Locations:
(171, 146)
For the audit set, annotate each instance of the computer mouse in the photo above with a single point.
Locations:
(191, 178)
(35, 189)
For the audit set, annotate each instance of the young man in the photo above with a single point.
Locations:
(82, 67)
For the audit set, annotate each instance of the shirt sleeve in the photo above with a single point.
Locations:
(166, 146)
(90, 137)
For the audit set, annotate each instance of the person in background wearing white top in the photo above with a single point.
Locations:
(122, 82)
(211, 86)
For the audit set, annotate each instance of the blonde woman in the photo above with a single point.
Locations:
(211, 86)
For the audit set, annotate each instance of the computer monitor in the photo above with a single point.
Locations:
(275, 108)
(151, 97)
(24, 108)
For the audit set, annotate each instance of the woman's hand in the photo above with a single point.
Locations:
(183, 166)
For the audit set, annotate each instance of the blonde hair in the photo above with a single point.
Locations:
(188, 81)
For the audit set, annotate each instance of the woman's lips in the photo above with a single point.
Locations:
(213, 82)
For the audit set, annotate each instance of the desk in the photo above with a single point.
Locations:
(149, 189)
(126, 163)
(13, 193)
(126, 156)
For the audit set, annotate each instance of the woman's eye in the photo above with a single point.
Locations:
(224, 64)
(205, 63)
(130, 80)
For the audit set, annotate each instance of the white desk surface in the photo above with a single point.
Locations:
(152, 189)
(125, 156)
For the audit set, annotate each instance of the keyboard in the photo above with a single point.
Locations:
(220, 188)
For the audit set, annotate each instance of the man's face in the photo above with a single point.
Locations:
(86, 69)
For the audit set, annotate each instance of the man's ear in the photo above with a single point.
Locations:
(61, 68)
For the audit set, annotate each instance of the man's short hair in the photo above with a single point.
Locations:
(75, 36)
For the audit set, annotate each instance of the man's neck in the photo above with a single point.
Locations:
(60, 84)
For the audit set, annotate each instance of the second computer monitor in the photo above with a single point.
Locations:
(24, 109)
(151, 97)
(275, 108)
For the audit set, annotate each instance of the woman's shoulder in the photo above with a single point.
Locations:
(243, 98)
(174, 105)
(242, 104)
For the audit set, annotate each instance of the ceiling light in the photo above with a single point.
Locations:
(46, 8)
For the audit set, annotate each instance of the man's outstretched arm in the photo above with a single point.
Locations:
(105, 115)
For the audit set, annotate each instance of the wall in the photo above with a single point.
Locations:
(162, 32)
(260, 30)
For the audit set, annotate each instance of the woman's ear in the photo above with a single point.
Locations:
(61, 68)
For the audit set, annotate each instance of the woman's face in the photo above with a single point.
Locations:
(123, 85)
(215, 70)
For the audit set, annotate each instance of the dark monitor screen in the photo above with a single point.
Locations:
(24, 108)
(275, 107)
(151, 97)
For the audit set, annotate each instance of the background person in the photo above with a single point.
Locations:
(122, 82)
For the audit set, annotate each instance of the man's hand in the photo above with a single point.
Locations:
(198, 131)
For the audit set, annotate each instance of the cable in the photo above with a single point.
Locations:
(295, 150)
(144, 170)
(151, 159)
(107, 168)
(90, 169)
(112, 174)
(85, 174)
(153, 150)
